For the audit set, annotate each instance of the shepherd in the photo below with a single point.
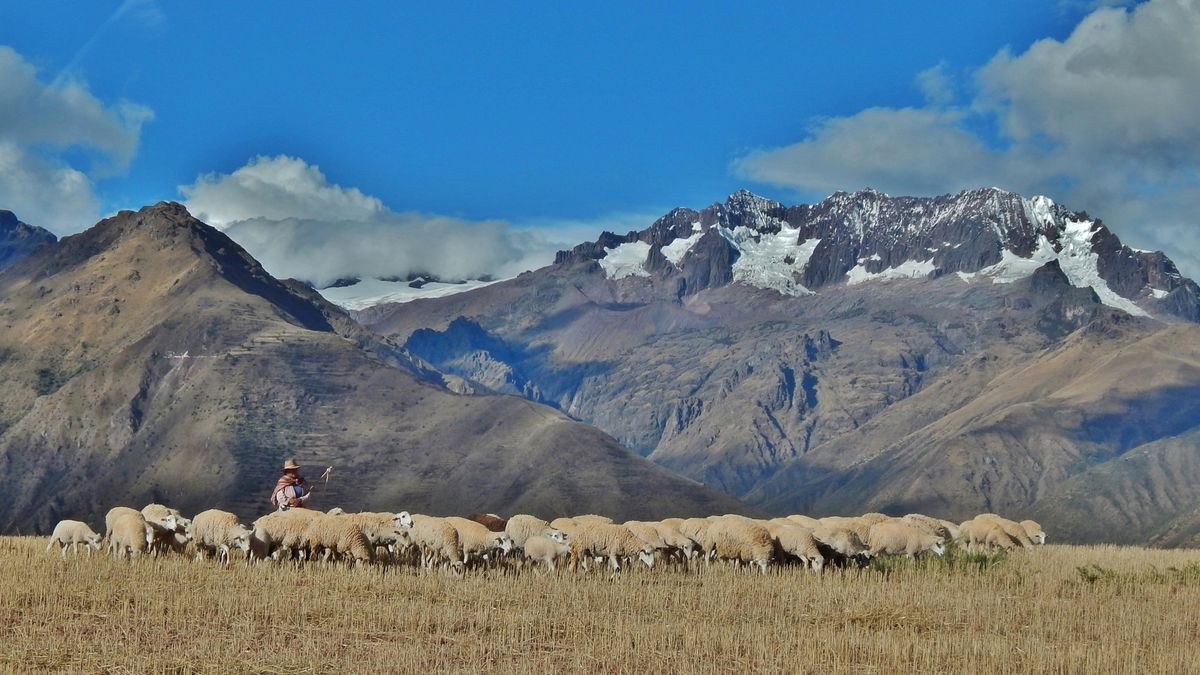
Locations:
(291, 490)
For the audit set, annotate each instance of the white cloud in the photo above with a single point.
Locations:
(275, 188)
(38, 123)
(288, 215)
(1104, 120)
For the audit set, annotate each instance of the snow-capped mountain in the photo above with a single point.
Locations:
(956, 354)
(982, 236)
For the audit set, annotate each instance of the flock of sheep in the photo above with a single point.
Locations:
(488, 540)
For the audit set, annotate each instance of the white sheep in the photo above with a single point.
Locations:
(612, 542)
(548, 550)
(1010, 527)
(796, 541)
(987, 535)
(167, 523)
(592, 519)
(647, 533)
(379, 527)
(337, 537)
(114, 514)
(875, 518)
(283, 531)
(130, 535)
(896, 538)
(741, 540)
(216, 531)
(931, 525)
(678, 544)
(1034, 531)
(437, 540)
(804, 521)
(522, 526)
(858, 525)
(73, 533)
(477, 541)
(696, 529)
(843, 544)
(568, 525)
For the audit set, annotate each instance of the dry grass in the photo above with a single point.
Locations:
(1126, 610)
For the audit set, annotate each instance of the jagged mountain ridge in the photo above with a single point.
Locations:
(751, 345)
(854, 237)
(150, 358)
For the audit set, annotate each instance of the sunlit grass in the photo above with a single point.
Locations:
(1058, 609)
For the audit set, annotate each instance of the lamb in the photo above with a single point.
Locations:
(338, 536)
(522, 526)
(130, 535)
(477, 540)
(437, 540)
(216, 531)
(797, 542)
(696, 529)
(895, 538)
(548, 550)
(742, 540)
(1034, 531)
(73, 533)
(614, 542)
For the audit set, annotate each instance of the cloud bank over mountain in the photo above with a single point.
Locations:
(287, 214)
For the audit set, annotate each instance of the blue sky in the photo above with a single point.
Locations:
(564, 116)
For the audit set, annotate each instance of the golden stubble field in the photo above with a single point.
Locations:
(1062, 609)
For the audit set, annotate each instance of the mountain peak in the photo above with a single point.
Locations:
(18, 239)
(868, 236)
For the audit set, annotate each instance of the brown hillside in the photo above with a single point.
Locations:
(150, 358)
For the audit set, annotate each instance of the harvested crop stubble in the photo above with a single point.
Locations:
(1127, 610)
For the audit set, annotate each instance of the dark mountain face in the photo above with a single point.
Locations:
(18, 239)
(150, 358)
(787, 354)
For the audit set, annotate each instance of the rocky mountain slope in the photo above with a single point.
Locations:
(151, 358)
(840, 356)
(18, 239)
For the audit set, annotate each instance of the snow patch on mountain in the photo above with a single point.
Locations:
(1075, 256)
(675, 250)
(626, 260)
(369, 292)
(909, 269)
(771, 261)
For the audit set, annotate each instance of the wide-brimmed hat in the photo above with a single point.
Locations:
(290, 464)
